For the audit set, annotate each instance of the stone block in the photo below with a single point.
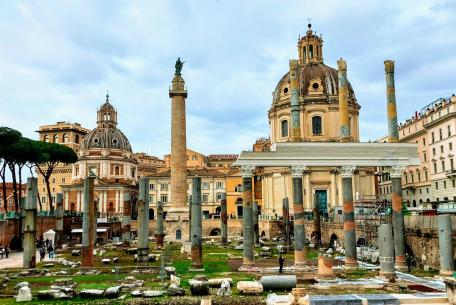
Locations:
(217, 282)
(21, 284)
(278, 282)
(152, 293)
(91, 293)
(136, 294)
(54, 294)
(274, 299)
(106, 261)
(175, 280)
(173, 290)
(198, 287)
(76, 253)
(113, 292)
(24, 295)
(249, 287)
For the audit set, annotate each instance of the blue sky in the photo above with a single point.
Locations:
(57, 59)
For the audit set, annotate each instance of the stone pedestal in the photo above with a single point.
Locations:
(386, 249)
(88, 219)
(29, 257)
(325, 266)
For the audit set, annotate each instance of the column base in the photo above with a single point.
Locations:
(390, 276)
(401, 266)
(351, 263)
(446, 272)
(300, 266)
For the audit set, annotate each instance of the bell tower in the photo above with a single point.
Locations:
(310, 48)
(107, 115)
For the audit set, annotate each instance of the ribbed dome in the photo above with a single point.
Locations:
(106, 138)
(314, 79)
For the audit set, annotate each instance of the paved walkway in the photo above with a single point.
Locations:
(15, 260)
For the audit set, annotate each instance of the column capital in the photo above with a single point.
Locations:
(395, 171)
(297, 171)
(247, 171)
(347, 171)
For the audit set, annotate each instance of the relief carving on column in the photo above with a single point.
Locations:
(247, 171)
(395, 171)
(347, 171)
(297, 171)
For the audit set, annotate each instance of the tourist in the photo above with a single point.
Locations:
(42, 253)
(6, 252)
(281, 260)
(1, 253)
(408, 259)
(50, 251)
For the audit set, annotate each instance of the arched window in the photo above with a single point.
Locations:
(304, 51)
(284, 128)
(133, 172)
(116, 171)
(76, 139)
(311, 51)
(65, 138)
(46, 138)
(316, 125)
(55, 139)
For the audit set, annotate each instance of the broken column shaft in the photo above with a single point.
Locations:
(256, 229)
(126, 219)
(224, 220)
(446, 245)
(294, 100)
(159, 231)
(29, 257)
(343, 101)
(143, 222)
(386, 251)
(197, 230)
(398, 217)
(59, 221)
(393, 132)
(247, 219)
(298, 211)
(349, 217)
(88, 217)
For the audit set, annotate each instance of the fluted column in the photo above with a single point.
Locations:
(247, 217)
(393, 132)
(88, 229)
(308, 187)
(398, 216)
(343, 101)
(159, 231)
(349, 217)
(29, 256)
(295, 112)
(298, 212)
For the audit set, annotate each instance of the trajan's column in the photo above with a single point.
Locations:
(178, 209)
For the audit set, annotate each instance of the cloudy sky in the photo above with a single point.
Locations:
(57, 59)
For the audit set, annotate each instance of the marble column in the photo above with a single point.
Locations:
(349, 217)
(298, 212)
(343, 101)
(88, 216)
(308, 187)
(294, 100)
(178, 94)
(159, 231)
(126, 219)
(393, 132)
(143, 222)
(256, 233)
(333, 202)
(29, 256)
(398, 216)
(224, 220)
(196, 227)
(446, 245)
(59, 221)
(386, 249)
(247, 218)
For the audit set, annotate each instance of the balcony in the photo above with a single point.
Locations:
(447, 207)
(450, 172)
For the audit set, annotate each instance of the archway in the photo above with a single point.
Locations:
(361, 242)
(215, 232)
(333, 240)
(218, 210)
(178, 234)
(239, 209)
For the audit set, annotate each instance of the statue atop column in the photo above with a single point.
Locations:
(179, 64)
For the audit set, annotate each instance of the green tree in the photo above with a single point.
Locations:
(50, 155)
(8, 137)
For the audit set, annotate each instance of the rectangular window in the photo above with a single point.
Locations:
(435, 167)
(454, 183)
(63, 180)
(425, 176)
(436, 185)
(420, 191)
(164, 186)
(433, 151)
(53, 198)
(444, 184)
(151, 186)
(219, 185)
(219, 196)
(451, 165)
(441, 149)
(443, 165)
(205, 197)
(424, 156)
(432, 137)
(43, 199)
(449, 130)
(450, 146)
(424, 141)
(440, 134)
(53, 180)
(427, 190)
(419, 177)
(205, 185)
(164, 198)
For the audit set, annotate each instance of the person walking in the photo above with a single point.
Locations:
(1, 253)
(6, 251)
(42, 253)
(281, 260)
(408, 259)
(51, 251)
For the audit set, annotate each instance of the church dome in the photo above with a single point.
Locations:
(106, 135)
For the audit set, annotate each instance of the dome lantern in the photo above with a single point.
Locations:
(310, 47)
(107, 115)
